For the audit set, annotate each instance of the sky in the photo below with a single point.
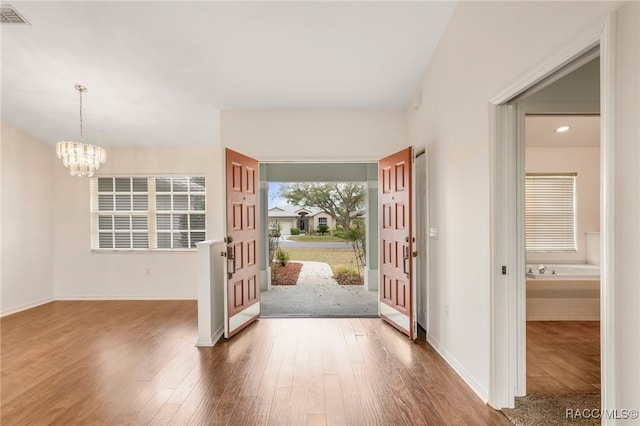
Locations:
(274, 201)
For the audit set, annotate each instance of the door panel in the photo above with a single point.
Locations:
(242, 288)
(396, 236)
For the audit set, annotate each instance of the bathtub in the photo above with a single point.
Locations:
(564, 271)
(572, 293)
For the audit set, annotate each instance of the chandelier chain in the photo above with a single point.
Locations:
(81, 129)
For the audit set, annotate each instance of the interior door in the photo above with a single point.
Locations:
(242, 289)
(397, 287)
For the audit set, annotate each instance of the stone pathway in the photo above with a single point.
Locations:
(317, 294)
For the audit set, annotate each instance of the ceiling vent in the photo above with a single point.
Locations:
(9, 15)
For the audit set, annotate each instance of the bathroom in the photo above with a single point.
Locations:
(562, 166)
(563, 259)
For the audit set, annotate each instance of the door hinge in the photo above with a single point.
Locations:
(504, 270)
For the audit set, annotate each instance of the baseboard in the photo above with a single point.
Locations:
(480, 390)
(131, 297)
(26, 306)
(213, 340)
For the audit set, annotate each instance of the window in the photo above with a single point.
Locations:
(147, 213)
(322, 221)
(550, 211)
(180, 205)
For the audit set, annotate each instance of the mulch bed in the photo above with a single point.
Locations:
(349, 279)
(285, 275)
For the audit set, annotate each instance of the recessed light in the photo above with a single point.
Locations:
(563, 129)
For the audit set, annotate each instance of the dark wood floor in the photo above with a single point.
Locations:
(563, 356)
(134, 362)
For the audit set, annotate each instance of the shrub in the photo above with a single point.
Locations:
(295, 231)
(338, 233)
(283, 257)
(275, 232)
(274, 239)
(322, 229)
(348, 275)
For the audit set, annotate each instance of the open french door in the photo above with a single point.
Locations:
(242, 289)
(397, 286)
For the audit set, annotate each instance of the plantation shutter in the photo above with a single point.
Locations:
(147, 213)
(550, 210)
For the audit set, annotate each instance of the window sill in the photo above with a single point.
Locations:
(143, 251)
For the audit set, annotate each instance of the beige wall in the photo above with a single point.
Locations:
(81, 274)
(314, 135)
(586, 162)
(28, 196)
(330, 222)
(486, 48)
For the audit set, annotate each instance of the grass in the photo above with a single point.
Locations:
(334, 257)
(315, 238)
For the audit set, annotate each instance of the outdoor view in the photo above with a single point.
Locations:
(317, 244)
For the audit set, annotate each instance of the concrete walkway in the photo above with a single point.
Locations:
(317, 294)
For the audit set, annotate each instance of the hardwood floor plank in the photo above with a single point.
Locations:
(333, 398)
(316, 419)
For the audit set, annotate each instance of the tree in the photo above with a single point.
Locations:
(339, 200)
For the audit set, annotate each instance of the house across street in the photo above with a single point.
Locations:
(306, 219)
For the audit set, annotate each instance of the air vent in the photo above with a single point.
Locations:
(9, 15)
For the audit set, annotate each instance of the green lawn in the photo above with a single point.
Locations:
(334, 257)
(315, 238)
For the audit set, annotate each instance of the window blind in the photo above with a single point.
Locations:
(550, 210)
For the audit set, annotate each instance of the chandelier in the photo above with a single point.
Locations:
(81, 159)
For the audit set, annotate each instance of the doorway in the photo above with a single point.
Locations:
(561, 150)
(367, 173)
(303, 224)
(318, 270)
(508, 368)
(562, 216)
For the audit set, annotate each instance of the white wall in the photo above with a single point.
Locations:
(486, 47)
(314, 135)
(27, 223)
(81, 274)
(586, 162)
(626, 321)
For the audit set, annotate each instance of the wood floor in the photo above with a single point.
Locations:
(134, 362)
(563, 356)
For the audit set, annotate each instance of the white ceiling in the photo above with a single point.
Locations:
(157, 73)
(540, 131)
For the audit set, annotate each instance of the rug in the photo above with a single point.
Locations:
(568, 409)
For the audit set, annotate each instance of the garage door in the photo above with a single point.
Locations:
(286, 227)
